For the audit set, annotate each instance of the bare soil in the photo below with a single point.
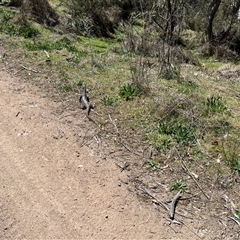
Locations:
(54, 182)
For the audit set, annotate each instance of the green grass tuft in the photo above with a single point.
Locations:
(128, 91)
(109, 101)
(178, 185)
(215, 104)
(152, 164)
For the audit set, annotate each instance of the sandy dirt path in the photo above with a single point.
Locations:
(51, 188)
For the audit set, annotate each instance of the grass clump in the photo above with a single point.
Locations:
(128, 91)
(28, 31)
(6, 15)
(65, 88)
(109, 101)
(152, 164)
(49, 45)
(215, 104)
(231, 153)
(179, 132)
(187, 87)
(7, 26)
(178, 185)
(160, 142)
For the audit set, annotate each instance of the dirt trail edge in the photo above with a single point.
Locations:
(51, 188)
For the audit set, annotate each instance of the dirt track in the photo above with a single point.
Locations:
(55, 187)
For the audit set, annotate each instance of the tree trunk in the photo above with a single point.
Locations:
(213, 8)
(41, 11)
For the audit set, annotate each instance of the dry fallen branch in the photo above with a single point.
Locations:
(47, 54)
(163, 205)
(113, 123)
(235, 220)
(124, 167)
(232, 207)
(191, 175)
(173, 205)
(32, 70)
(170, 210)
(99, 142)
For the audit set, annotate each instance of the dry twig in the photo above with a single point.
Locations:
(163, 205)
(170, 210)
(191, 175)
(32, 70)
(47, 54)
(124, 167)
(232, 207)
(113, 123)
(173, 205)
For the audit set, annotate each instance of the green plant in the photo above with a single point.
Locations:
(237, 213)
(161, 142)
(182, 134)
(152, 164)
(109, 101)
(65, 88)
(128, 91)
(28, 31)
(64, 76)
(230, 149)
(187, 87)
(178, 185)
(215, 104)
(165, 143)
(8, 28)
(44, 45)
(6, 15)
(51, 45)
(79, 83)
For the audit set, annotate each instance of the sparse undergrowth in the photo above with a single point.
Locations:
(190, 121)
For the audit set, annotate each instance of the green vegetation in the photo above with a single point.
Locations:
(128, 91)
(231, 151)
(177, 131)
(7, 26)
(65, 88)
(28, 31)
(109, 101)
(49, 45)
(178, 185)
(215, 104)
(152, 164)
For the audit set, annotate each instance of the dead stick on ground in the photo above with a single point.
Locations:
(35, 71)
(171, 210)
(235, 220)
(192, 231)
(124, 167)
(173, 205)
(130, 150)
(191, 175)
(113, 123)
(163, 205)
(47, 54)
